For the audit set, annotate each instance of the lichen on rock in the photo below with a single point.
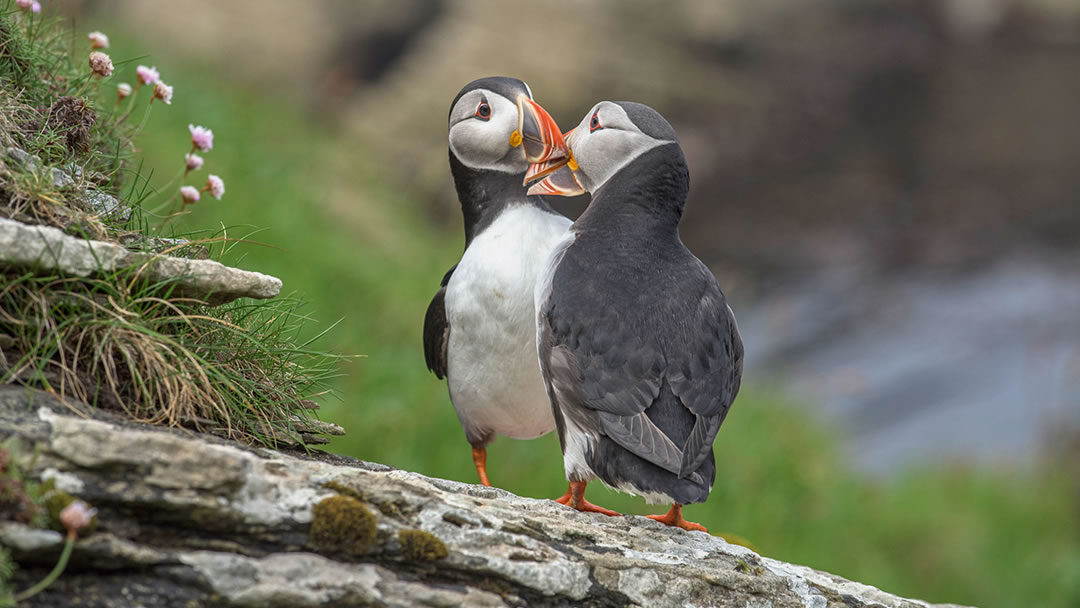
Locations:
(421, 546)
(342, 523)
(55, 502)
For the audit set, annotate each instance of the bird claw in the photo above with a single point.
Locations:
(589, 507)
(674, 518)
(579, 503)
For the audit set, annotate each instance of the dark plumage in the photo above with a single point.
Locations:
(437, 330)
(639, 349)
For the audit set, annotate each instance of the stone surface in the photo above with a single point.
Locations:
(95, 201)
(50, 249)
(186, 520)
(30, 163)
(106, 205)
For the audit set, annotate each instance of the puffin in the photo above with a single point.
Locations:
(639, 351)
(480, 327)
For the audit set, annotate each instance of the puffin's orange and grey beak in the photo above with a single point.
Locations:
(540, 134)
(556, 175)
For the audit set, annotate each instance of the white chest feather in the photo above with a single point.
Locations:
(492, 370)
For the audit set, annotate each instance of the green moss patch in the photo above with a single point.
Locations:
(55, 502)
(422, 546)
(343, 489)
(342, 523)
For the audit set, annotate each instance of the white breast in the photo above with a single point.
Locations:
(492, 369)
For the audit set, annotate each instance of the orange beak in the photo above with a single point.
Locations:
(556, 175)
(540, 134)
(560, 182)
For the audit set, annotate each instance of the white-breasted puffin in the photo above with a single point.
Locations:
(480, 328)
(639, 351)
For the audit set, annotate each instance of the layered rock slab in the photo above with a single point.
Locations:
(50, 249)
(190, 520)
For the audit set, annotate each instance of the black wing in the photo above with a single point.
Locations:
(437, 329)
(604, 386)
(708, 379)
(605, 364)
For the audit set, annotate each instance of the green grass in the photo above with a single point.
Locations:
(122, 342)
(358, 249)
(116, 339)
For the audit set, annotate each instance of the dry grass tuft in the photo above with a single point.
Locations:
(131, 346)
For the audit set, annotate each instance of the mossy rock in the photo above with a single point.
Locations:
(342, 523)
(421, 546)
(55, 502)
(341, 488)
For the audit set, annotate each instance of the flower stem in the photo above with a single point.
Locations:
(65, 555)
(82, 87)
(145, 118)
(168, 187)
(130, 103)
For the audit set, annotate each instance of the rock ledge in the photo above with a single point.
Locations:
(49, 248)
(187, 520)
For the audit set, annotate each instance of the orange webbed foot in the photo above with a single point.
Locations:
(674, 518)
(575, 499)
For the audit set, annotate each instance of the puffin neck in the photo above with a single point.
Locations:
(485, 193)
(648, 194)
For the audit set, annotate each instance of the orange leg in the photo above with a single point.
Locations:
(674, 518)
(479, 458)
(575, 498)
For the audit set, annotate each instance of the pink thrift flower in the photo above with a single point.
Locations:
(193, 161)
(77, 516)
(163, 92)
(122, 90)
(190, 194)
(147, 75)
(35, 7)
(215, 186)
(98, 40)
(201, 138)
(101, 64)
(24, 4)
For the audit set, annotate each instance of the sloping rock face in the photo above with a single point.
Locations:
(187, 520)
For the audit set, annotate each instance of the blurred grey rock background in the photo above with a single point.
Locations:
(887, 189)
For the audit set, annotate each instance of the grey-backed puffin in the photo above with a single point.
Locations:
(480, 328)
(639, 350)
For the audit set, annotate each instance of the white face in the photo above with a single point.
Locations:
(481, 124)
(606, 141)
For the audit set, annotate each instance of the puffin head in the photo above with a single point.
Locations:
(610, 136)
(496, 126)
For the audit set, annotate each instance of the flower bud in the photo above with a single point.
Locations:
(215, 186)
(98, 40)
(163, 92)
(190, 194)
(101, 64)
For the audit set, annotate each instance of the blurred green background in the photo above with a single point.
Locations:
(820, 136)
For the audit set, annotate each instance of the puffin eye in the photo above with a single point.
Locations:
(594, 124)
(483, 111)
